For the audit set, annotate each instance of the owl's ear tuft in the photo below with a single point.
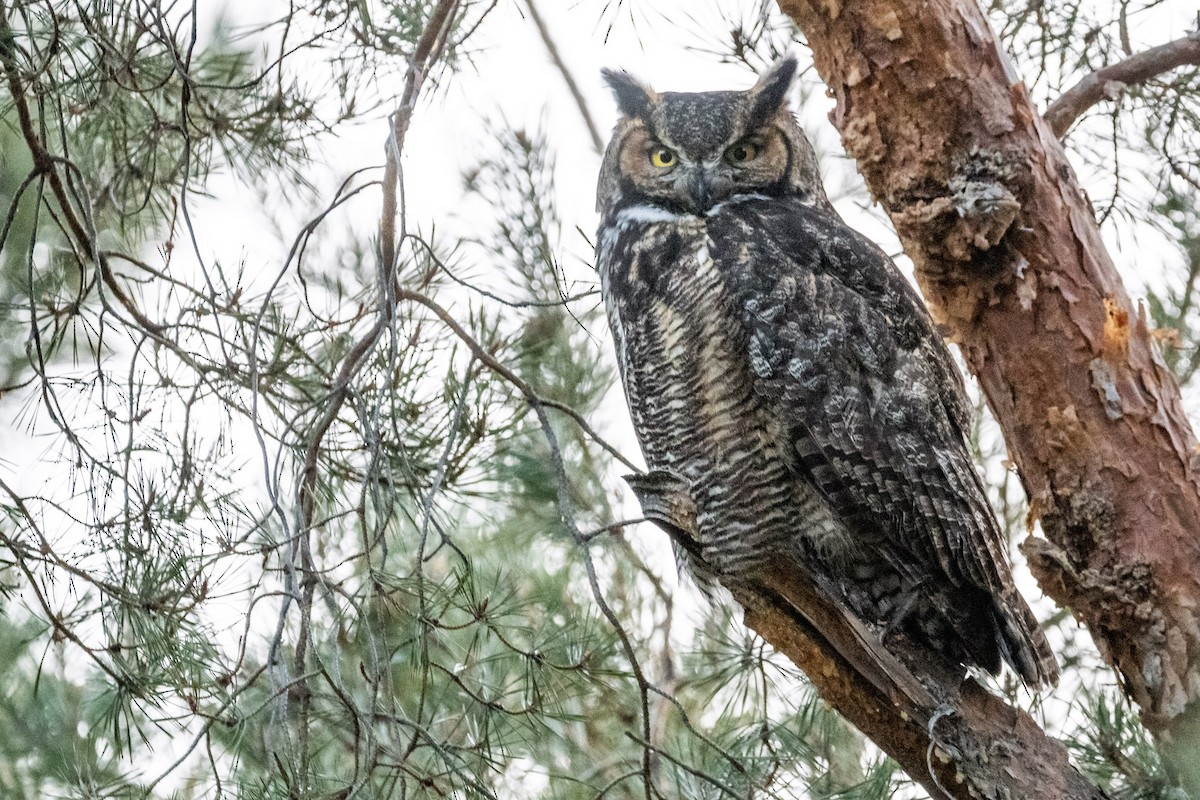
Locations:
(633, 97)
(771, 91)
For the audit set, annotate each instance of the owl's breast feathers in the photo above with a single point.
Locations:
(780, 362)
(682, 356)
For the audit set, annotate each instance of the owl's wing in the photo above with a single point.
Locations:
(843, 350)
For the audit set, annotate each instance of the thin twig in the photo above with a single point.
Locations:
(580, 102)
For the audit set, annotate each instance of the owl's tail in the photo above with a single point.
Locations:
(1022, 643)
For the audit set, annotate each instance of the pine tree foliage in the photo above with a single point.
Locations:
(1119, 754)
(1173, 309)
(333, 526)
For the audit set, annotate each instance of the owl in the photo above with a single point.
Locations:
(781, 370)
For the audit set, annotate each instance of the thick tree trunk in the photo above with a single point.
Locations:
(1009, 255)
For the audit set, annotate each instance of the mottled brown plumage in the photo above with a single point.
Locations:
(778, 365)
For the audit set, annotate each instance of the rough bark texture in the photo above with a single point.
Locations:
(949, 735)
(1009, 255)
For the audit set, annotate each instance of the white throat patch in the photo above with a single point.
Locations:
(646, 213)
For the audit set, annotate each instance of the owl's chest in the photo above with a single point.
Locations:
(683, 350)
(685, 360)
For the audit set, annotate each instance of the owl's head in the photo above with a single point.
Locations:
(689, 151)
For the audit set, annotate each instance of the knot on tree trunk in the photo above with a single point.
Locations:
(967, 216)
(1121, 607)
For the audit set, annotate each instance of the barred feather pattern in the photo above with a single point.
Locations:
(777, 361)
(689, 391)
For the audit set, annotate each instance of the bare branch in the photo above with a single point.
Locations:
(552, 49)
(1103, 83)
(429, 49)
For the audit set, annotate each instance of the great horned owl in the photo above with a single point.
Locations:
(781, 369)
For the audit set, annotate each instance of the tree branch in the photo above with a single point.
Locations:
(949, 735)
(568, 78)
(1104, 83)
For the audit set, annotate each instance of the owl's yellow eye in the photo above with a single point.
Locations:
(741, 152)
(662, 158)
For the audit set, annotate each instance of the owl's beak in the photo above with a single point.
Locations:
(699, 190)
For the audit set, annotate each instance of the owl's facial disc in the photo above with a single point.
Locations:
(688, 152)
(696, 179)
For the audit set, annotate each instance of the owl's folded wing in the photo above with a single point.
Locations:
(843, 349)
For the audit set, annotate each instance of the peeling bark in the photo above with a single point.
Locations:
(1009, 256)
